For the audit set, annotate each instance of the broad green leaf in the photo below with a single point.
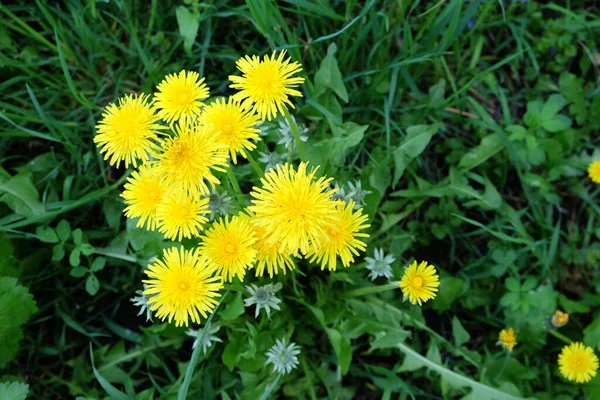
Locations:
(389, 338)
(450, 289)
(329, 75)
(86, 249)
(591, 334)
(489, 147)
(188, 24)
(571, 306)
(75, 257)
(342, 347)
(436, 94)
(233, 309)
(512, 284)
(416, 140)
(58, 252)
(78, 272)
(335, 148)
(557, 123)
(46, 234)
(16, 303)
(552, 106)
(20, 194)
(92, 285)
(98, 264)
(63, 230)
(13, 390)
(112, 391)
(10, 337)
(77, 236)
(232, 353)
(461, 336)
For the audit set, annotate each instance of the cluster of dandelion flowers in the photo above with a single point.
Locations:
(419, 282)
(341, 237)
(266, 84)
(228, 246)
(507, 339)
(594, 171)
(188, 159)
(578, 362)
(143, 194)
(234, 126)
(182, 286)
(294, 207)
(128, 131)
(179, 97)
(181, 215)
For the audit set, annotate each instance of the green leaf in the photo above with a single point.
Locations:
(78, 272)
(342, 347)
(188, 23)
(335, 148)
(9, 343)
(46, 234)
(489, 147)
(86, 249)
(389, 338)
(75, 257)
(92, 285)
(21, 196)
(112, 391)
(232, 353)
(571, 306)
(461, 336)
(98, 264)
(14, 390)
(557, 123)
(416, 140)
(552, 106)
(63, 230)
(450, 289)
(77, 236)
(329, 75)
(512, 284)
(16, 303)
(233, 309)
(436, 94)
(591, 334)
(58, 252)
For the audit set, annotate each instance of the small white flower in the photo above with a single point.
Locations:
(209, 338)
(284, 358)
(218, 203)
(271, 159)
(357, 194)
(287, 135)
(143, 301)
(381, 265)
(263, 297)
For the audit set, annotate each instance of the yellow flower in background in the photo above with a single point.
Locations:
(143, 193)
(560, 319)
(188, 160)
(233, 126)
(507, 339)
(127, 132)
(181, 215)
(594, 171)
(341, 237)
(228, 246)
(578, 362)
(420, 282)
(265, 85)
(179, 97)
(180, 286)
(271, 257)
(293, 207)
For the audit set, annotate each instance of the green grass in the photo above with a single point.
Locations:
(438, 86)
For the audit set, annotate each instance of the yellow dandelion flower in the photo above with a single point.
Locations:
(181, 215)
(188, 160)
(270, 256)
(228, 246)
(419, 283)
(341, 237)
(181, 286)
(507, 339)
(127, 131)
(143, 193)
(559, 319)
(594, 171)
(233, 125)
(578, 362)
(265, 85)
(180, 96)
(293, 206)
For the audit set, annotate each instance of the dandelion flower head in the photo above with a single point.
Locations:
(143, 194)
(419, 282)
(127, 131)
(228, 246)
(234, 126)
(182, 286)
(341, 237)
(559, 319)
(271, 257)
(181, 215)
(594, 171)
(578, 362)
(507, 339)
(266, 84)
(179, 97)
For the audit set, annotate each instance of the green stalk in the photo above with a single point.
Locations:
(560, 336)
(236, 186)
(372, 289)
(267, 392)
(299, 144)
(189, 372)
(259, 172)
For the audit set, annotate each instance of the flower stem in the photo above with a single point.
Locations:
(560, 336)
(267, 392)
(372, 289)
(299, 144)
(259, 172)
(185, 386)
(236, 186)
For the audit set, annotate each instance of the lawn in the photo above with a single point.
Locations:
(300, 199)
